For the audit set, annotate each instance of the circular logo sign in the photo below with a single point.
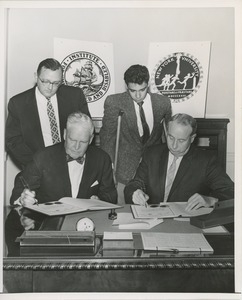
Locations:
(177, 76)
(88, 72)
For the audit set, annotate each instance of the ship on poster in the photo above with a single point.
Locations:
(182, 76)
(87, 71)
(87, 65)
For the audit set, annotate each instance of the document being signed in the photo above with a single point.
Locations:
(167, 210)
(68, 205)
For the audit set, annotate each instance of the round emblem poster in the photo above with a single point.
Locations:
(177, 76)
(87, 71)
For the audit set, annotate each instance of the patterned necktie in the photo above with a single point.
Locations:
(170, 178)
(53, 123)
(146, 130)
(80, 160)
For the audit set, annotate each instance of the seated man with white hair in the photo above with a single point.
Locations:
(73, 168)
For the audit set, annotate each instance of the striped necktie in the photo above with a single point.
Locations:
(146, 130)
(170, 178)
(53, 124)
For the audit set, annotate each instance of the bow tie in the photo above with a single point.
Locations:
(80, 160)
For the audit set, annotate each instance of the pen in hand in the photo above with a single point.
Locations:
(26, 186)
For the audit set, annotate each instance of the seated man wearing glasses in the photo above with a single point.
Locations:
(37, 117)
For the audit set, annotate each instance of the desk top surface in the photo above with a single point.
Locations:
(102, 223)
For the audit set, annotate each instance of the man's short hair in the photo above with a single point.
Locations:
(49, 63)
(136, 74)
(82, 119)
(184, 119)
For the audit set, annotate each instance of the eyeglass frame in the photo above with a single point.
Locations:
(47, 82)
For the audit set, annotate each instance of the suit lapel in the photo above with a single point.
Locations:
(132, 118)
(62, 168)
(33, 117)
(162, 170)
(156, 115)
(61, 110)
(184, 166)
(87, 176)
(155, 110)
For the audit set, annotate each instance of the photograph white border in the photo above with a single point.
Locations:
(5, 5)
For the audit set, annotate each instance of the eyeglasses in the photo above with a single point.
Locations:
(47, 82)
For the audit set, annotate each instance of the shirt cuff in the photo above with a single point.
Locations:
(17, 202)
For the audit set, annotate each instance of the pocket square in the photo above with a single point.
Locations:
(94, 183)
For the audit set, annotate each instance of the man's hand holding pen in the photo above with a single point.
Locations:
(140, 198)
(28, 198)
(194, 202)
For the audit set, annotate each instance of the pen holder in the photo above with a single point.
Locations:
(112, 215)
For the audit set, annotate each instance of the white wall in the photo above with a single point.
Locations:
(31, 32)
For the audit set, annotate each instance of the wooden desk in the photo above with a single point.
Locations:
(169, 273)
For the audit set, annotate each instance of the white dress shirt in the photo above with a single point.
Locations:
(44, 119)
(147, 107)
(170, 160)
(75, 174)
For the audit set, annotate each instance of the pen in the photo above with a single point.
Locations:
(26, 186)
(24, 182)
(173, 250)
(157, 205)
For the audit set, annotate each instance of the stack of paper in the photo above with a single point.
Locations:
(118, 244)
(127, 221)
(175, 242)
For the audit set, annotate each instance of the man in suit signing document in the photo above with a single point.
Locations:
(73, 168)
(178, 171)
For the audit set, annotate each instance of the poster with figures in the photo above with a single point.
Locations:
(180, 72)
(89, 66)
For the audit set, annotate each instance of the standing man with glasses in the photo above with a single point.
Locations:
(141, 124)
(37, 117)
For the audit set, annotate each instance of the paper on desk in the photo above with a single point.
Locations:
(109, 235)
(127, 221)
(182, 219)
(167, 210)
(179, 241)
(216, 229)
(68, 205)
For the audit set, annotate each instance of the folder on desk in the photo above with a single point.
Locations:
(167, 210)
(222, 214)
(68, 205)
(175, 242)
(118, 244)
(57, 243)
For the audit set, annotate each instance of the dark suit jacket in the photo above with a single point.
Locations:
(198, 173)
(130, 147)
(48, 176)
(23, 130)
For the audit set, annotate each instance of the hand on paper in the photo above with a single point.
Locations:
(27, 198)
(196, 201)
(94, 197)
(140, 198)
(26, 222)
